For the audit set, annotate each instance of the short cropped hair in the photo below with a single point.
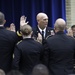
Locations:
(26, 29)
(60, 24)
(73, 26)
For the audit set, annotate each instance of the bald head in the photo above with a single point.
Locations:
(42, 20)
(2, 72)
(41, 15)
(60, 24)
(2, 18)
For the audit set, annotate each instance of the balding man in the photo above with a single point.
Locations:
(42, 27)
(60, 49)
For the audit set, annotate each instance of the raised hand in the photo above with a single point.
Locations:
(39, 38)
(12, 27)
(23, 20)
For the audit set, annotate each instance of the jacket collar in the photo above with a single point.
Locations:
(60, 32)
(1, 27)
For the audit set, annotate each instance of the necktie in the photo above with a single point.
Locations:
(42, 34)
(43, 37)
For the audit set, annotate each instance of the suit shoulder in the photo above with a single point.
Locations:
(10, 32)
(19, 42)
(51, 37)
(38, 43)
(50, 28)
(71, 37)
(34, 28)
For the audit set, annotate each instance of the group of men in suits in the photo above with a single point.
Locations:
(58, 52)
(29, 52)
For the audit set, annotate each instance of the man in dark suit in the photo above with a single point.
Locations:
(8, 40)
(60, 50)
(42, 28)
(28, 52)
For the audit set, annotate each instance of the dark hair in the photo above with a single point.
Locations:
(73, 26)
(40, 69)
(14, 72)
(2, 18)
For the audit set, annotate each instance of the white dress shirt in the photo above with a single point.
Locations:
(42, 30)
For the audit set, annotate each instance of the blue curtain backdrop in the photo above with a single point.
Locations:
(13, 9)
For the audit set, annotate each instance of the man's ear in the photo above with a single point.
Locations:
(31, 33)
(4, 21)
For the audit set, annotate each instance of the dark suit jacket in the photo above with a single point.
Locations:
(36, 31)
(7, 42)
(60, 49)
(28, 53)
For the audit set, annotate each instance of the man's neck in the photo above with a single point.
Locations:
(56, 31)
(41, 28)
(29, 36)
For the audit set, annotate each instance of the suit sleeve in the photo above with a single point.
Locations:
(46, 54)
(16, 59)
(74, 53)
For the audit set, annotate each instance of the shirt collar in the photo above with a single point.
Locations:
(1, 25)
(41, 29)
(24, 37)
(60, 32)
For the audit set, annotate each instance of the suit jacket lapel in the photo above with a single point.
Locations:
(48, 32)
(38, 31)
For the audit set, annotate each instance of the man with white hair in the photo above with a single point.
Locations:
(60, 49)
(42, 27)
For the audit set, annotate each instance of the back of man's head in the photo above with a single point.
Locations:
(60, 24)
(2, 72)
(26, 30)
(40, 69)
(2, 18)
